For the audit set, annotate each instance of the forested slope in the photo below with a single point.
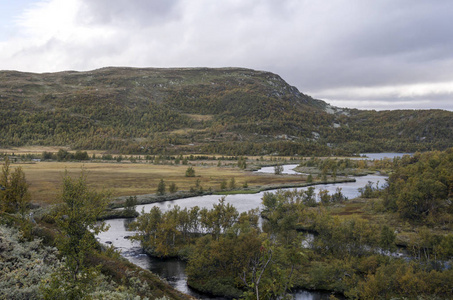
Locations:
(230, 111)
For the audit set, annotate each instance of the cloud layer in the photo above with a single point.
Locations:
(366, 54)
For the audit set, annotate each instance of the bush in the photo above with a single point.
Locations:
(23, 265)
(190, 172)
(173, 188)
(278, 169)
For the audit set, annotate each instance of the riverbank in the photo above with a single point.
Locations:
(125, 178)
(111, 214)
(154, 198)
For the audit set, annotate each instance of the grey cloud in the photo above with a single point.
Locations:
(315, 46)
(394, 30)
(144, 12)
(355, 43)
(391, 41)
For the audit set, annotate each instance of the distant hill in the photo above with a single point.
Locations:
(231, 111)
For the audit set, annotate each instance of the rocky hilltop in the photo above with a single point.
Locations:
(232, 111)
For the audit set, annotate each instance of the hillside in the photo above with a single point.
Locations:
(230, 111)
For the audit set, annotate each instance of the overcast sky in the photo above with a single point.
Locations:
(385, 54)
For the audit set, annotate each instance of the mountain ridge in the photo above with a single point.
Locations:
(155, 110)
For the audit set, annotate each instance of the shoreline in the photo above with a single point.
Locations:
(119, 202)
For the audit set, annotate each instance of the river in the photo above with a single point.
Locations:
(371, 156)
(173, 270)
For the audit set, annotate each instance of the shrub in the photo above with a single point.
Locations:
(190, 172)
(23, 265)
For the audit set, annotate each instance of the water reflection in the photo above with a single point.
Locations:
(173, 270)
(287, 169)
(372, 156)
(306, 295)
(245, 202)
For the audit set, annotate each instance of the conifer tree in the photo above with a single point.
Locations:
(14, 195)
(190, 172)
(161, 188)
(76, 218)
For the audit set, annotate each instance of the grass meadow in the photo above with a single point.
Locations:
(124, 179)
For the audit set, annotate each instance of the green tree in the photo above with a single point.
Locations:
(421, 186)
(77, 222)
(14, 196)
(131, 203)
(172, 188)
(161, 187)
(324, 197)
(223, 184)
(81, 155)
(387, 239)
(47, 155)
(269, 272)
(309, 197)
(338, 196)
(4, 185)
(242, 163)
(190, 172)
(278, 169)
(232, 183)
(64, 155)
(147, 226)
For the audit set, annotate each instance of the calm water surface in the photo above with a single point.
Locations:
(372, 156)
(173, 270)
(245, 202)
(287, 169)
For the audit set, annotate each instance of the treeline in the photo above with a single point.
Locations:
(398, 130)
(333, 167)
(421, 188)
(64, 155)
(285, 148)
(85, 121)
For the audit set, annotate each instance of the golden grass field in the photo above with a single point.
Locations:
(40, 149)
(123, 179)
